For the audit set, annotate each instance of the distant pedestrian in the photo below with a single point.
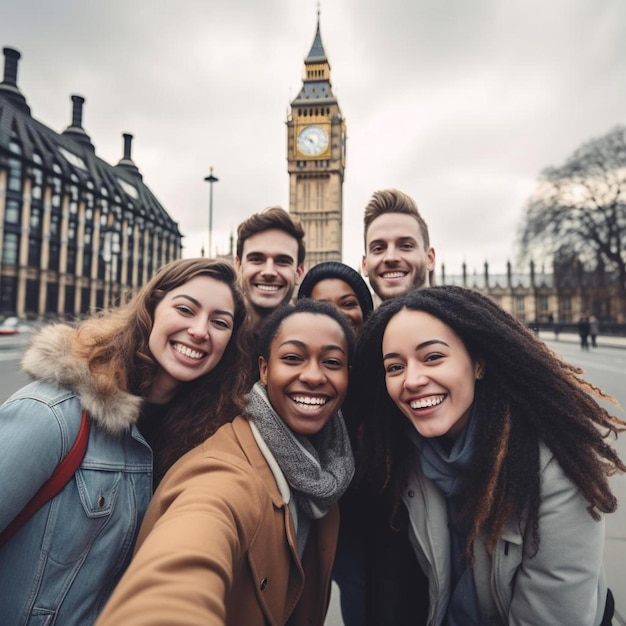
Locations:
(583, 332)
(594, 328)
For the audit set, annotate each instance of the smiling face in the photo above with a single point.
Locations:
(429, 373)
(268, 269)
(395, 259)
(306, 374)
(341, 295)
(192, 327)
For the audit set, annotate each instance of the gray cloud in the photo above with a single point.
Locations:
(459, 104)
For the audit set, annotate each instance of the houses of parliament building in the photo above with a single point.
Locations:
(78, 234)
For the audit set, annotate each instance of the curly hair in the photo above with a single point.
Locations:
(115, 346)
(528, 395)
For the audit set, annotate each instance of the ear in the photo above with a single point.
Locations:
(237, 262)
(364, 267)
(479, 369)
(263, 370)
(430, 259)
(299, 273)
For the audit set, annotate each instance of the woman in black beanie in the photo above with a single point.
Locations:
(339, 284)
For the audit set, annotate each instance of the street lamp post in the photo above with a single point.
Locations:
(211, 179)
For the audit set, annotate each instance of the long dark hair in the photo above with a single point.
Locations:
(528, 395)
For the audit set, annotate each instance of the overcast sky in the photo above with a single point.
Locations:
(459, 103)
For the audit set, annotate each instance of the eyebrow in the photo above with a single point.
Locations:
(420, 346)
(401, 239)
(301, 344)
(279, 256)
(198, 304)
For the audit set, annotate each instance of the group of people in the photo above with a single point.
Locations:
(429, 454)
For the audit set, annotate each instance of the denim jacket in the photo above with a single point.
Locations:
(62, 565)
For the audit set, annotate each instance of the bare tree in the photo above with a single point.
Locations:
(579, 209)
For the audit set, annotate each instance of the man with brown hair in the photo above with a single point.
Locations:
(269, 260)
(398, 255)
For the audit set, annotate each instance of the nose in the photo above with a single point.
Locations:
(268, 269)
(391, 254)
(198, 330)
(313, 374)
(415, 377)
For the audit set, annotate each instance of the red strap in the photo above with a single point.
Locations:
(59, 478)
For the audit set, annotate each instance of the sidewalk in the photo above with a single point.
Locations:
(603, 341)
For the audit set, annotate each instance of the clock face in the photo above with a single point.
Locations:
(312, 140)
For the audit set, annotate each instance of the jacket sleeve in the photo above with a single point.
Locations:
(563, 582)
(197, 529)
(33, 444)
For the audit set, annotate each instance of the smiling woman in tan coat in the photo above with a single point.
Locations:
(243, 529)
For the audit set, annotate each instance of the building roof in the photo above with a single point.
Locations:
(71, 154)
(316, 89)
(317, 54)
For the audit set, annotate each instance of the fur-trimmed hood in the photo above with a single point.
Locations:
(50, 357)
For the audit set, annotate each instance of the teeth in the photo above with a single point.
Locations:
(188, 352)
(268, 287)
(394, 274)
(309, 401)
(424, 403)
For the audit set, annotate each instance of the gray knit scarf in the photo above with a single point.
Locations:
(318, 469)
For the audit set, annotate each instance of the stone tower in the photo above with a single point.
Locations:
(316, 157)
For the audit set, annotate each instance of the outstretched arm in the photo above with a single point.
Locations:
(196, 531)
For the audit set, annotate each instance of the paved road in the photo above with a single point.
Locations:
(606, 367)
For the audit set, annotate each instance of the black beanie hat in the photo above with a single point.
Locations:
(335, 269)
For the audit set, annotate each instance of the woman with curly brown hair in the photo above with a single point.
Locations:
(496, 449)
(156, 377)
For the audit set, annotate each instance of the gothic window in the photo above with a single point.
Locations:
(520, 308)
(12, 212)
(10, 249)
(70, 292)
(55, 226)
(8, 295)
(72, 230)
(52, 297)
(15, 167)
(32, 296)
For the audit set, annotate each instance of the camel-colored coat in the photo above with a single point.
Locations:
(218, 546)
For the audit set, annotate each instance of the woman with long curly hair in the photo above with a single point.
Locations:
(157, 377)
(497, 451)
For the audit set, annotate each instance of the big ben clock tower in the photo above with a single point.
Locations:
(316, 157)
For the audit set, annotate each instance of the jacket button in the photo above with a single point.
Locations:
(411, 493)
(100, 501)
(263, 584)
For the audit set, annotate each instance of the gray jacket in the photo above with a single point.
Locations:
(563, 583)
